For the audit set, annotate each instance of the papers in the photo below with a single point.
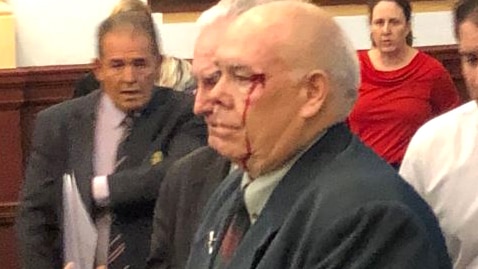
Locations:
(79, 231)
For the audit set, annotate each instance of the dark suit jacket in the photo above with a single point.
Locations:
(184, 193)
(63, 142)
(340, 206)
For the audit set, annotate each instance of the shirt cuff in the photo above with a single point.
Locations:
(100, 189)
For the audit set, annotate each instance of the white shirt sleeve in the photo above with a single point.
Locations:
(100, 190)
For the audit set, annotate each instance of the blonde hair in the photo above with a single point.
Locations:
(176, 73)
(131, 5)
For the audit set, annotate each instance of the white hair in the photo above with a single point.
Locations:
(231, 8)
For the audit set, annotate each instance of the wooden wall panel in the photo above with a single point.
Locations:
(201, 5)
(8, 252)
(449, 57)
(10, 154)
(25, 91)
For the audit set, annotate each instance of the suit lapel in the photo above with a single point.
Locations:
(210, 176)
(303, 173)
(145, 130)
(82, 134)
(211, 228)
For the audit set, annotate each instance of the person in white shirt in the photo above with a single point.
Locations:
(441, 159)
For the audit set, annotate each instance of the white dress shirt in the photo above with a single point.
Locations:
(108, 133)
(441, 163)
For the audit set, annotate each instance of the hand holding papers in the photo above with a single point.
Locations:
(79, 232)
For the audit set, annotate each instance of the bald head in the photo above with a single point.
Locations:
(303, 37)
(285, 73)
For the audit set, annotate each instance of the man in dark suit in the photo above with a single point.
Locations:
(118, 167)
(183, 195)
(312, 195)
(191, 181)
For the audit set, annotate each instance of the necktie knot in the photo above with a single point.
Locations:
(127, 126)
(128, 121)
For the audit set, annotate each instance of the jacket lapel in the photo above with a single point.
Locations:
(303, 173)
(144, 130)
(82, 132)
(210, 176)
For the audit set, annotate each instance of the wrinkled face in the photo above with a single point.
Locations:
(207, 75)
(127, 68)
(250, 100)
(389, 27)
(468, 49)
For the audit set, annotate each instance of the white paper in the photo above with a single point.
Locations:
(79, 232)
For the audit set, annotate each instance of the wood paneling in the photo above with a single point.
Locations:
(449, 57)
(25, 91)
(181, 6)
(8, 251)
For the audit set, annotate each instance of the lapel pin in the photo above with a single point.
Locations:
(210, 242)
(156, 158)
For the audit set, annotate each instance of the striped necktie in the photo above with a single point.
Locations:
(117, 244)
(121, 152)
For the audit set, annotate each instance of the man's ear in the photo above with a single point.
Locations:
(317, 88)
(97, 69)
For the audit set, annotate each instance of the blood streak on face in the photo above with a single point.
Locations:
(256, 79)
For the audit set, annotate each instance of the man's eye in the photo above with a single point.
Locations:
(139, 63)
(211, 80)
(116, 65)
(242, 78)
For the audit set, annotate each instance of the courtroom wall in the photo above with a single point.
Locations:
(59, 32)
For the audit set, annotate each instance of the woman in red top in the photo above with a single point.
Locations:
(401, 88)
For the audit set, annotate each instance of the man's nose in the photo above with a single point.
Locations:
(201, 103)
(129, 74)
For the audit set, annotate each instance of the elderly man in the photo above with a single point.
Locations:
(312, 195)
(442, 157)
(117, 142)
(191, 181)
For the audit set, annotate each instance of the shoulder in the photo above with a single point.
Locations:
(170, 106)
(438, 144)
(66, 109)
(444, 127)
(431, 63)
(199, 159)
(200, 156)
(169, 96)
(363, 57)
(367, 178)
